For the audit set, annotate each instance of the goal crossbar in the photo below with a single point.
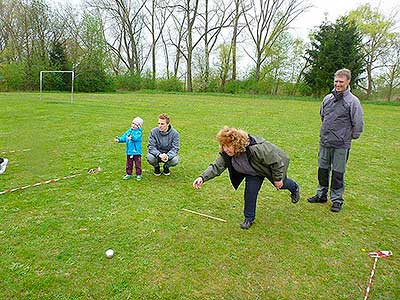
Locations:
(72, 82)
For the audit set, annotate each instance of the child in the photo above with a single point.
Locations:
(133, 139)
(3, 164)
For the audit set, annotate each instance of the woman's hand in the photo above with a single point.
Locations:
(278, 184)
(198, 182)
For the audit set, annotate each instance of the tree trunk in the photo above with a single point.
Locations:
(234, 39)
(234, 67)
(258, 66)
(369, 81)
(166, 56)
(392, 75)
(189, 64)
(206, 52)
(154, 42)
(189, 42)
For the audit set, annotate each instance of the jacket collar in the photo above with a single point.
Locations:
(166, 132)
(339, 96)
(252, 141)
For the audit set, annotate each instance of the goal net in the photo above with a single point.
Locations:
(72, 82)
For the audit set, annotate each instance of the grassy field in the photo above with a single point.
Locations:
(53, 237)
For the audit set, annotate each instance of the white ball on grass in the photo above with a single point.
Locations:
(110, 253)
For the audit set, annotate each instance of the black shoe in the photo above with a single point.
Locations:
(336, 206)
(295, 196)
(157, 171)
(166, 171)
(316, 199)
(246, 224)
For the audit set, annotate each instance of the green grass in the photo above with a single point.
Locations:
(53, 237)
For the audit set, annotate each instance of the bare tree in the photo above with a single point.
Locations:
(224, 62)
(158, 15)
(265, 21)
(377, 31)
(25, 37)
(184, 19)
(24, 29)
(177, 40)
(8, 31)
(166, 55)
(191, 13)
(391, 67)
(212, 22)
(124, 21)
(237, 29)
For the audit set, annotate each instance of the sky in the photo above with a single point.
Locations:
(334, 9)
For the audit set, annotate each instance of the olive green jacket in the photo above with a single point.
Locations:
(266, 159)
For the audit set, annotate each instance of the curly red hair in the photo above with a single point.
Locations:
(237, 138)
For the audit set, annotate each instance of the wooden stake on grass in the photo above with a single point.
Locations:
(204, 215)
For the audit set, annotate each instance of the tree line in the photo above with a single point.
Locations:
(232, 46)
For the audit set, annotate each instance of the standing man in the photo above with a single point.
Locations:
(342, 120)
(163, 146)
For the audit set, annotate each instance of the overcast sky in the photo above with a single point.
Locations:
(336, 8)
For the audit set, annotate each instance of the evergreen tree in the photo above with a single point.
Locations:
(58, 62)
(333, 47)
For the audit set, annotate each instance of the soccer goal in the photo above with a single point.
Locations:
(72, 82)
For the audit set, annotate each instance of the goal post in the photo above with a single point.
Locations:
(72, 82)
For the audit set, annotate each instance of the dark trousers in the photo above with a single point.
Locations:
(138, 164)
(253, 186)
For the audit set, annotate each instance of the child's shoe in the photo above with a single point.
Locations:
(126, 177)
(138, 177)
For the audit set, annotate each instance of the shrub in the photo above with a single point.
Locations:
(13, 76)
(172, 84)
(213, 85)
(128, 82)
(252, 86)
(94, 82)
(147, 82)
(232, 87)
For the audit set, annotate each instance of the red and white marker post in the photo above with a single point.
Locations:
(376, 255)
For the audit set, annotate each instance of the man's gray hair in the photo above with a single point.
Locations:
(344, 72)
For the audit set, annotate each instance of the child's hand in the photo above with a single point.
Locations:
(116, 140)
(129, 137)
